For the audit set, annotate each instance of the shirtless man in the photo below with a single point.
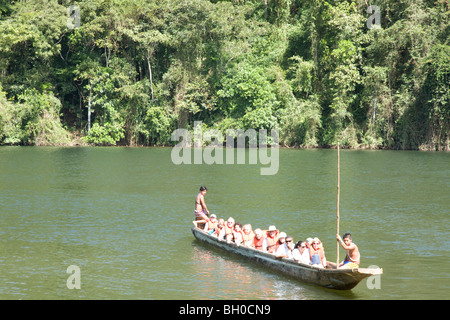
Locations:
(352, 257)
(201, 212)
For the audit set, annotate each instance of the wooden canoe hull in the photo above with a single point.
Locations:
(340, 279)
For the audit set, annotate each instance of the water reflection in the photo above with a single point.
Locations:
(221, 276)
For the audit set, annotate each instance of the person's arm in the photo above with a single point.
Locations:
(296, 255)
(281, 252)
(343, 245)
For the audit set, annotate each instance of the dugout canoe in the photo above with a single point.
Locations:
(339, 279)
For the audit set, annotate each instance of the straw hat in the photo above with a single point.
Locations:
(272, 228)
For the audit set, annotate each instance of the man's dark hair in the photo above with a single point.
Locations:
(203, 188)
(347, 235)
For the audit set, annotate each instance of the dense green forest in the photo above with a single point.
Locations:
(119, 72)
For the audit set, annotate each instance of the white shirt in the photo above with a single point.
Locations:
(283, 250)
(302, 258)
(221, 234)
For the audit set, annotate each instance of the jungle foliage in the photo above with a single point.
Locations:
(134, 71)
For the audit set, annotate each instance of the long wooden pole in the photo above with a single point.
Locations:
(338, 191)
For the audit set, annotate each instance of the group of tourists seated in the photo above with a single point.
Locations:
(273, 241)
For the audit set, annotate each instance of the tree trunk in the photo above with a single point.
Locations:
(150, 72)
(89, 108)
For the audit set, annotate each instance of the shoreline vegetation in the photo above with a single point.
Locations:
(78, 142)
(129, 73)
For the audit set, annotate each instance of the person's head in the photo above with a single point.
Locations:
(220, 225)
(258, 234)
(213, 218)
(290, 242)
(316, 243)
(347, 238)
(272, 231)
(203, 190)
(237, 226)
(230, 222)
(301, 245)
(247, 228)
(282, 237)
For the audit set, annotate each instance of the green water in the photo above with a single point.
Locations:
(123, 216)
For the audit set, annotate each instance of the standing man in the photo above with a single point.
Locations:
(352, 257)
(201, 212)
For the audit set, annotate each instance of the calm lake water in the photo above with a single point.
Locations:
(123, 216)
